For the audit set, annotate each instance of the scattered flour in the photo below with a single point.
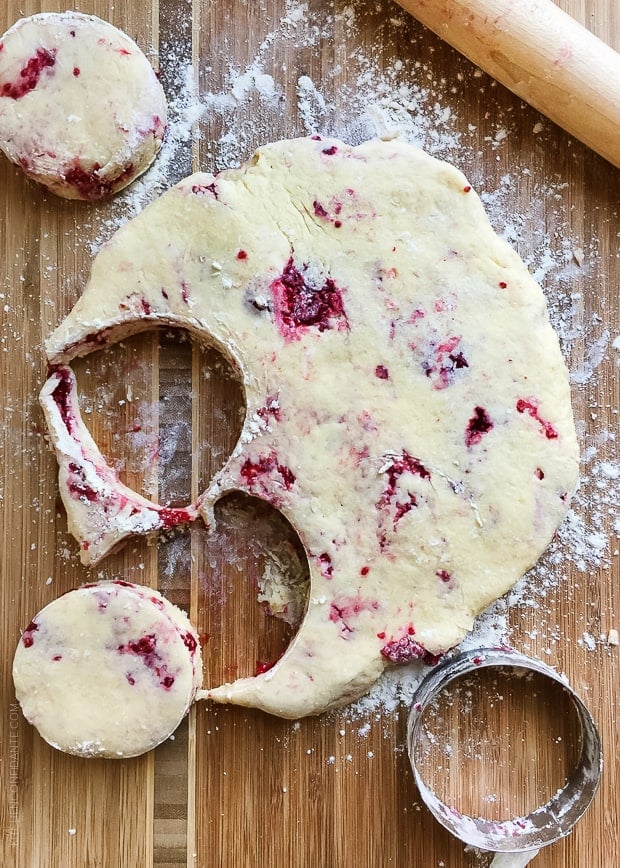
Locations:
(594, 355)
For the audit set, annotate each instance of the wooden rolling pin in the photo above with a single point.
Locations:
(541, 54)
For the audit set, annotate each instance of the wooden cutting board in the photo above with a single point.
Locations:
(235, 787)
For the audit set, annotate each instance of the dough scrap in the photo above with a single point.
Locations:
(407, 404)
(108, 670)
(81, 109)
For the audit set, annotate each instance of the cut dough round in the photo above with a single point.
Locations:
(81, 110)
(109, 670)
(408, 407)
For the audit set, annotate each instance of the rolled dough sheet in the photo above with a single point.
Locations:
(81, 109)
(108, 669)
(408, 406)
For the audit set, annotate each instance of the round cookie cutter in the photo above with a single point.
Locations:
(548, 823)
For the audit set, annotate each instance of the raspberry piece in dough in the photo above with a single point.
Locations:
(81, 110)
(108, 670)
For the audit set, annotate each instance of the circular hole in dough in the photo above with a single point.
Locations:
(108, 669)
(115, 388)
(81, 109)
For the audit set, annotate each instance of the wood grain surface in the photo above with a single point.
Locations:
(236, 787)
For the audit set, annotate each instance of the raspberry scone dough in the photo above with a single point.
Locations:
(408, 407)
(109, 669)
(81, 109)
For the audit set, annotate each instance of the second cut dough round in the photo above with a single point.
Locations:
(109, 669)
(81, 109)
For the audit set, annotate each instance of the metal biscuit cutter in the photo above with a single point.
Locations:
(515, 842)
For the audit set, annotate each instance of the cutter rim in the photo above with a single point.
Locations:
(548, 823)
